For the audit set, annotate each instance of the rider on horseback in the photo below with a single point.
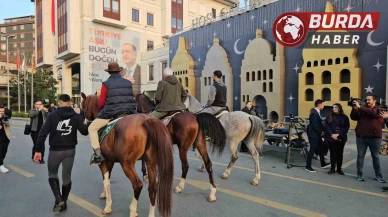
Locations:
(217, 95)
(170, 95)
(116, 99)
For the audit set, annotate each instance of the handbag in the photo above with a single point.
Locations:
(27, 128)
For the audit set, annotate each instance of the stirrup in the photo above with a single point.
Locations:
(93, 160)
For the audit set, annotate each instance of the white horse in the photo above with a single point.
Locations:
(239, 126)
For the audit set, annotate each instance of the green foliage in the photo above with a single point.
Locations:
(44, 88)
(20, 114)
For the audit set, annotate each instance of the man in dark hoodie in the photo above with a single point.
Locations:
(170, 95)
(62, 125)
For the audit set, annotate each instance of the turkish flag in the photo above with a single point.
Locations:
(53, 17)
(18, 61)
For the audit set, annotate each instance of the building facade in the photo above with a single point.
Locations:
(111, 30)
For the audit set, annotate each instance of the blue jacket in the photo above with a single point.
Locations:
(119, 98)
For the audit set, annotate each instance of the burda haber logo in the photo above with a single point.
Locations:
(331, 29)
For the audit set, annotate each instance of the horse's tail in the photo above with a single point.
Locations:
(159, 137)
(257, 132)
(212, 128)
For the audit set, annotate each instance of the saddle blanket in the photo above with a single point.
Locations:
(222, 112)
(166, 120)
(106, 130)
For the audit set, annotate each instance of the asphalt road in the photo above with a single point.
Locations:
(25, 191)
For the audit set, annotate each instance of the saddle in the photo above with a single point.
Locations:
(167, 118)
(106, 130)
(221, 112)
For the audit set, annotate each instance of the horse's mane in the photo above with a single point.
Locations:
(147, 97)
(91, 104)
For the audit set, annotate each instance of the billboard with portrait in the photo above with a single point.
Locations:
(103, 44)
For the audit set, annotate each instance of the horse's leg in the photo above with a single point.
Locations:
(199, 156)
(255, 155)
(143, 169)
(183, 149)
(201, 145)
(233, 150)
(152, 187)
(106, 169)
(130, 172)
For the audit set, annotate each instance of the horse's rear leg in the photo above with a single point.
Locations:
(152, 187)
(201, 146)
(199, 156)
(183, 149)
(130, 172)
(233, 150)
(106, 169)
(255, 155)
(144, 169)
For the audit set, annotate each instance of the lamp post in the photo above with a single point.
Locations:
(7, 36)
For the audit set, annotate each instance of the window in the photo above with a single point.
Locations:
(22, 44)
(39, 31)
(243, 98)
(150, 72)
(315, 63)
(344, 94)
(309, 95)
(186, 81)
(3, 47)
(309, 78)
(259, 75)
(337, 61)
(2, 29)
(270, 87)
(223, 79)
(330, 62)
(3, 38)
(270, 74)
(214, 13)
(323, 63)
(14, 27)
(62, 25)
(253, 76)
(247, 78)
(150, 19)
(326, 77)
(345, 76)
(164, 65)
(179, 1)
(264, 87)
(205, 81)
(21, 27)
(22, 35)
(173, 22)
(326, 94)
(346, 60)
(15, 45)
(308, 64)
(264, 75)
(112, 9)
(179, 24)
(135, 15)
(150, 45)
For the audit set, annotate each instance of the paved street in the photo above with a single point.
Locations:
(25, 191)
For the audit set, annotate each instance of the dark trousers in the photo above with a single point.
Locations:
(3, 150)
(34, 136)
(374, 147)
(336, 154)
(55, 159)
(315, 143)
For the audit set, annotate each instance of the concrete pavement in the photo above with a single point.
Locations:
(282, 192)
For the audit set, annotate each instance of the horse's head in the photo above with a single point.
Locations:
(192, 104)
(90, 106)
(144, 103)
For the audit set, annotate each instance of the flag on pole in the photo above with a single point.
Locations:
(53, 17)
(18, 61)
(24, 62)
(32, 63)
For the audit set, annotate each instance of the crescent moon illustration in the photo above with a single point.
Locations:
(235, 47)
(369, 39)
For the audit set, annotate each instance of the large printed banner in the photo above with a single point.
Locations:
(104, 44)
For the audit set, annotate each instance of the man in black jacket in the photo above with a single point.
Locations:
(62, 125)
(315, 134)
(249, 110)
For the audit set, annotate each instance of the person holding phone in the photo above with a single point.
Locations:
(38, 116)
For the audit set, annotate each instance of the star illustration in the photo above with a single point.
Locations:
(378, 65)
(298, 9)
(369, 89)
(199, 59)
(252, 17)
(208, 46)
(191, 44)
(296, 68)
(265, 22)
(290, 98)
(349, 7)
(214, 34)
(228, 25)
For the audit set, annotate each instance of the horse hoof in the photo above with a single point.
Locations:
(102, 197)
(224, 177)
(211, 200)
(200, 170)
(145, 178)
(254, 183)
(177, 191)
(106, 213)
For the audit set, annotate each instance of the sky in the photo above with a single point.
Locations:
(15, 8)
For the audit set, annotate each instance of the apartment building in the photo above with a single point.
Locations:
(78, 39)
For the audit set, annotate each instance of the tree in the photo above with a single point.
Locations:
(44, 88)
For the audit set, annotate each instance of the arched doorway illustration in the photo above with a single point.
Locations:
(260, 105)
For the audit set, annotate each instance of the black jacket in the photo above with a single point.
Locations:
(119, 98)
(251, 112)
(315, 128)
(62, 125)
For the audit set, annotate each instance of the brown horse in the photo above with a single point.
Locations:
(132, 138)
(187, 129)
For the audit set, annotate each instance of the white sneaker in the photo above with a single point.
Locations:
(3, 169)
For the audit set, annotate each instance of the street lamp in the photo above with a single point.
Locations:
(7, 36)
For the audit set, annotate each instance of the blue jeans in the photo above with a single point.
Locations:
(374, 147)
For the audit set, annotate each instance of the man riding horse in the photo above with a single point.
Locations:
(116, 99)
(217, 95)
(170, 95)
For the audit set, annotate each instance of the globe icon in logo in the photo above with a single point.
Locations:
(289, 30)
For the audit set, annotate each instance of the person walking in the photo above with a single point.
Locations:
(5, 137)
(368, 134)
(37, 117)
(249, 110)
(315, 134)
(336, 130)
(62, 125)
